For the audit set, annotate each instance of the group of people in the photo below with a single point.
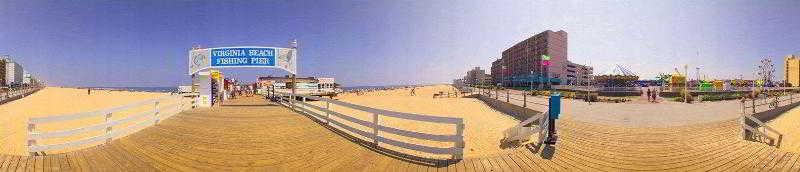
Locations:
(242, 90)
(652, 95)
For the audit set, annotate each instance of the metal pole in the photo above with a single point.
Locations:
(686, 84)
(508, 98)
(525, 100)
(294, 84)
(531, 80)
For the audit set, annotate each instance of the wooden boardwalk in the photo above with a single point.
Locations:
(252, 135)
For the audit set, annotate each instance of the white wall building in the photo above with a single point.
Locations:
(14, 72)
(26, 77)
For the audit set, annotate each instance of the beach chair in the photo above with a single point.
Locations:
(440, 94)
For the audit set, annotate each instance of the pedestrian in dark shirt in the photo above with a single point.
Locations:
(655, 95)
(648, 95)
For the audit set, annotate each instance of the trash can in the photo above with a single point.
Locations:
(555, 105)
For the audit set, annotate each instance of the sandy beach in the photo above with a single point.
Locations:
(483, 125)
(787, 124)
(57, 101)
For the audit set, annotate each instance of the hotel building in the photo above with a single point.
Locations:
(477, 76)
(791, 70)
(11, 73)
(521, 64)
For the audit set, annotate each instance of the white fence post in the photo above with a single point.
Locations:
(303, 104)
(459, 143)
(375, 128)
(155, 115)
(327, 114)
(743, 121)
(109, 127)
(31, 142)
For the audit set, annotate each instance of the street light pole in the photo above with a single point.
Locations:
(530, 78)
(686, 84)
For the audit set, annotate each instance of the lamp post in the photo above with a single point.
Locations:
(530, 78)
(686, 84)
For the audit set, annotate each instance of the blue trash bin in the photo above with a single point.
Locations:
(555, 105)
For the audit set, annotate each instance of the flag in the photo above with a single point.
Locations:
(545, 57)
(545, 60)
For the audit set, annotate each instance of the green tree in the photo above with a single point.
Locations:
(663, 78)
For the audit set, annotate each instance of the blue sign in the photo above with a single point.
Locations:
(243, 57)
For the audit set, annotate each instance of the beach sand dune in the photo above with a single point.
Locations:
(483, 125)
(58, 101)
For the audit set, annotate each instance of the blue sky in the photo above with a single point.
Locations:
(145, 43)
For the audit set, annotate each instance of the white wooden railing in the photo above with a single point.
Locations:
(525, 129)
(755, 106)
(17, 93)
(375, 128)
(111, 128)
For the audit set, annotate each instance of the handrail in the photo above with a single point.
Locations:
(16, 93)
(507, 95)
(519, 132)
(772, 102)
(324, 113)
(139, 121)
(760, 124)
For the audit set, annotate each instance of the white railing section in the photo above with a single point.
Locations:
(18, 93)
(764, 128)
(522, 133)
(754, 106)
(325, 113)
(138, 120)
(525, 129)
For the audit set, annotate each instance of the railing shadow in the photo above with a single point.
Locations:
(430, 162)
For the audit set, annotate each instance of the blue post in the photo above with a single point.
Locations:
(554, 110)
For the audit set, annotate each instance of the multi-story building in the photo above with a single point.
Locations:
(13, 72)
(3, 59)
(498, 71)
(521, 64)
(26, 77)
(791, 70)
(476, 76)
(578, 74)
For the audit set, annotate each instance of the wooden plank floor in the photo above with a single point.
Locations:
(253, 135)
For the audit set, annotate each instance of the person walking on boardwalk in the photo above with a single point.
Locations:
(655, 95)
